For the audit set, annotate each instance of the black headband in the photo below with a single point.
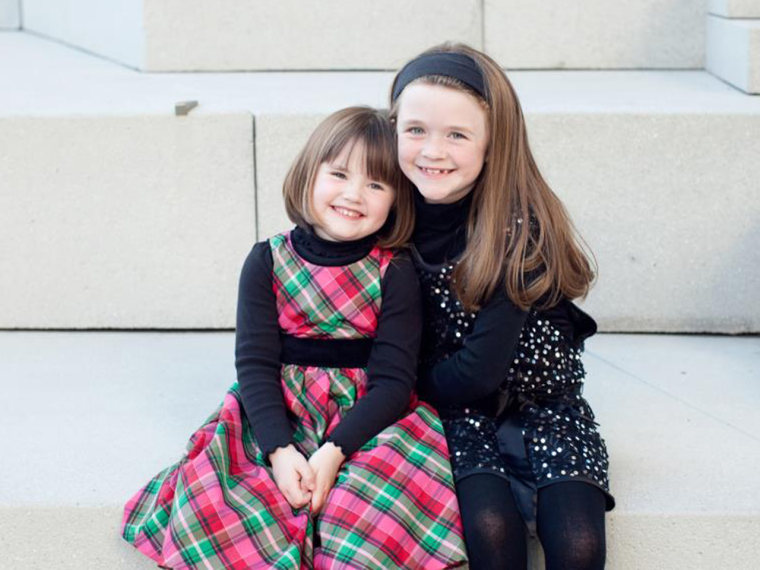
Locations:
(456, 65)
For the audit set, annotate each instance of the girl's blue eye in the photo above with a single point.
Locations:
(415, 130)
(458, 136)
(376, 186)
(338, 174)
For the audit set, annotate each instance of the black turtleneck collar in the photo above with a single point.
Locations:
(324, 252)
(440, 231)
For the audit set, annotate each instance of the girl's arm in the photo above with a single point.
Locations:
(392, 365)
(257, 353)
(478, 368)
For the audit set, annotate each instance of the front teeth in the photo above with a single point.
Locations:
(347, 213)
(434, 170)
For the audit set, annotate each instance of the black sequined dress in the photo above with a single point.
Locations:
(536, 428)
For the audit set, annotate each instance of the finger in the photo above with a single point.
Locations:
(308, 478)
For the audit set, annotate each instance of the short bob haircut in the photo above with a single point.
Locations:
(372, 131)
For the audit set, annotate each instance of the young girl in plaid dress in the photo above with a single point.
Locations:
(320, 455)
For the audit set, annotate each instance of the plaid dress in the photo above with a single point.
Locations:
(393, 504)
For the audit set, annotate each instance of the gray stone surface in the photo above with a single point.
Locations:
(594, 34)
(734, 8)
(10, 14)
(733, 51)
(89, 417)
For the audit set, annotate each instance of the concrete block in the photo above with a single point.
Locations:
(734, 8)
(10, 14)
(522, 34)
(124, 222)
(674, 228)
(733, 52)
(290, 34)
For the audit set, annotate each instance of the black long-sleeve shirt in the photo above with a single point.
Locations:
(475, 370)
(392, 363)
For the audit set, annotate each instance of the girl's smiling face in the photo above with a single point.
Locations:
(346, 203)
(442, 140)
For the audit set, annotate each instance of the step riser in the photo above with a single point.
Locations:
(733, 52)
(136, 222)
(82, 537)
(165, 214)
(596, 34)
(167, 35)
(734, 8)
(10, 15)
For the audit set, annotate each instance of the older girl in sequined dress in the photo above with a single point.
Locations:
(500, 263)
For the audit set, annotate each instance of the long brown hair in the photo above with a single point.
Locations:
(518, 231)
(371, 129)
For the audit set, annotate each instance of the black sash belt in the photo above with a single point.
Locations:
(327, 353)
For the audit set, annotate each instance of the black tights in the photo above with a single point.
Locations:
(570, 525)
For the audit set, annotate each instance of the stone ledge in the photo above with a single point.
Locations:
(89, 417)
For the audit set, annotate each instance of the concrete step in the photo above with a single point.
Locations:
(733, 51)
(595, 34)
(117, 213)
(87, 418)
(172, 35)
(10, 14)
(734, 8)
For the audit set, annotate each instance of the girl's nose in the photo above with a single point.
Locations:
(433, 148)
(352, 191)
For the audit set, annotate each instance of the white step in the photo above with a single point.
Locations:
(10, 15)
(87, 418)
(174, 35)
(115, 213)
(733, 51)
(734, 8)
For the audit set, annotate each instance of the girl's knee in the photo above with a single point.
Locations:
(581, 549)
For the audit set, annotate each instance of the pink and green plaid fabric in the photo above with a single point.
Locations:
(318, 301)
(393, 504)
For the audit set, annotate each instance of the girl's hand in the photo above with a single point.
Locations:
(293, 475)
(325, 462)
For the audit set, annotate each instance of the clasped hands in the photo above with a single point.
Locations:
(304, 481)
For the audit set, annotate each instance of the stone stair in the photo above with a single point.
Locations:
(89, 417)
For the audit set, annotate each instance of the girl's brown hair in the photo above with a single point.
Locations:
(518, 231)
(372, 131)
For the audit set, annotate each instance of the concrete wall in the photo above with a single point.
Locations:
(557, 34)
(10, 14)
(113, 29)
(128, 222)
